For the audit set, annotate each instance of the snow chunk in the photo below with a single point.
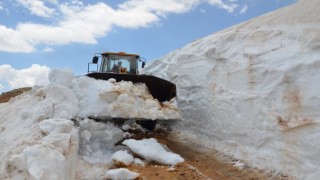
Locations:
(45, 162)
(62, 102)
(121, 173)
(97, 140)
(151, 150)
(132, 125)
(61, 77)
(52, 158)
(122, 157)
(56, 125)
(138, 162)
(38, 162)
(171, 169)
(88, 91)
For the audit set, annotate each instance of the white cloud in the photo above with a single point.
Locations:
(243, 9)
(37, 7)
(141, 13)
(228, 6)
(16, 42)
(159, 7)
(76, 22)
(81, 24)
(34, 75)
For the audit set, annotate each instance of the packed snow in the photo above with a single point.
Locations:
(47, 132)
(122, 156)
(50, 156)
(151, 150)
(111, 99)
(121, 174)
(139, 162)
(252, 90)
(98, 141)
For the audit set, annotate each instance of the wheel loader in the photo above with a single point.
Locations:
(122, 66)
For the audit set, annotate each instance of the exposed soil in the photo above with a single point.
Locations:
(6, 96)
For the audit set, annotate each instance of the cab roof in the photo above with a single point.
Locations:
(119, 53)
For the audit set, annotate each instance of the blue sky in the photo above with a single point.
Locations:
(38, 35)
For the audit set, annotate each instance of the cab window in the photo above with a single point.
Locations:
(112, 63)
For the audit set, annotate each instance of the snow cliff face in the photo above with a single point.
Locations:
(252, 90)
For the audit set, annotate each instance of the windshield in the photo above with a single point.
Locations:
(119, 64)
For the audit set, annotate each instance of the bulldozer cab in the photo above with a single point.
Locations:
(124, 67)
(120, 63)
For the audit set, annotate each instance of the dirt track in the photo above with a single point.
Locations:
(199, 163)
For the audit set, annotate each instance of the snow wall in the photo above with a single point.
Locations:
(45, 133)
(252, 91)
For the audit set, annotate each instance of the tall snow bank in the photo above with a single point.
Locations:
(252, 90)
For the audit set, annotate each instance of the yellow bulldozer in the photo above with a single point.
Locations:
(122, 66)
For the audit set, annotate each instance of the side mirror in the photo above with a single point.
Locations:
(95, 59)
(143, 64)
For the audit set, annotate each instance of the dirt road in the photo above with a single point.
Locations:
(199, 164)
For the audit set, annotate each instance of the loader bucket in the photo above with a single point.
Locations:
(160, 89)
